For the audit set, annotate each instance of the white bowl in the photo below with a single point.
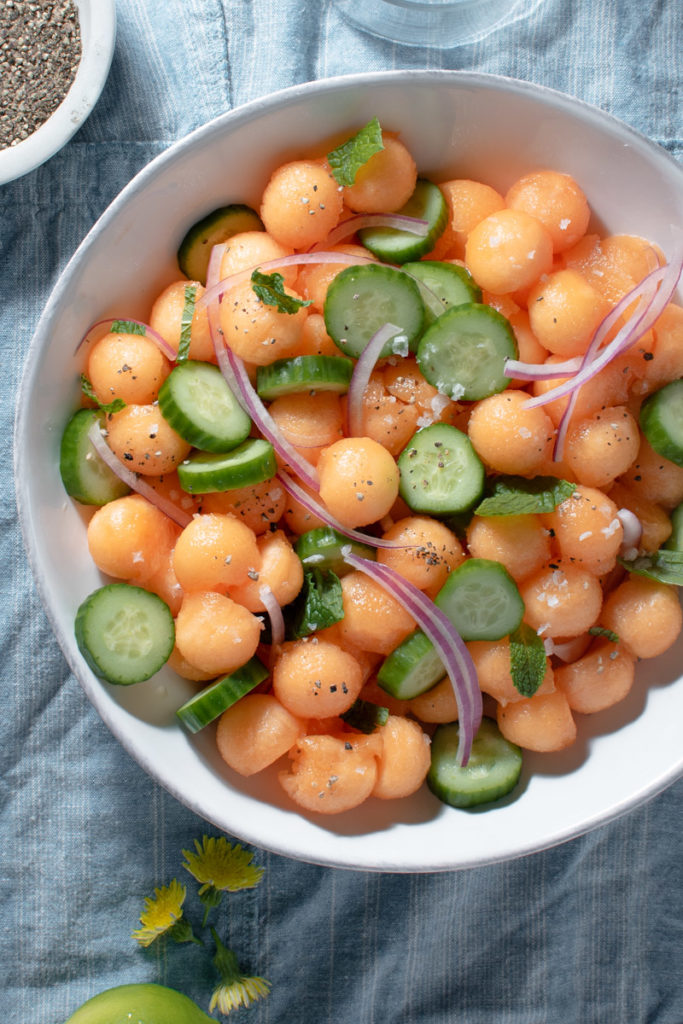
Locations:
(97, 19)
(471, 125)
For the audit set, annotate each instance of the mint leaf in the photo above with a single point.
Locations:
(318, 605)
(127, 327)
(269, 288)
(516, 496)
(608, 634)
(528, 663)
(106, 407)
(663, 565)
(186, 322)
(365, 716)
(346, 160)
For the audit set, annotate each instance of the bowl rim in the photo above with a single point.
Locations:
(97, 694)
(83, 94)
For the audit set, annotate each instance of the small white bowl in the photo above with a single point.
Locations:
(456, 124)
(97, 20)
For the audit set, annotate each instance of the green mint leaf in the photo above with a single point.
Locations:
(516, 496)
(127, 327)
(346, 160)
(106, 407)
(318, 605)
(528, 663)
(664, 566)
(186, 322)
(365, 717)
(608, 634)
(269, 288)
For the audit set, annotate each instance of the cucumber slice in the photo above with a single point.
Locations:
(304, 373)
(395, 246)
(482, 600)
(661, 420)
(321, 549)
(492, 771)
(675, 541)
(85, 476)
(125, 633)
(206, 472)
(209, 703)
(218, 226)
(196, 401)
(412, 668)
(443, 285)
(463, 353)
(440, 472)
(362, 299)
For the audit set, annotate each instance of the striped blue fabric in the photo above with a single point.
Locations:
(588, 933)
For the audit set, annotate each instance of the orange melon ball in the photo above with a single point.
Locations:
(301, 204)
(508, 251)
(358, 480)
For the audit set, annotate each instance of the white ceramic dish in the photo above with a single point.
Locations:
(97, 20)
(455, 123)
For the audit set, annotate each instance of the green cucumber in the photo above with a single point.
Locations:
(463, 352)
(85, 476)
(197, 402)
(207, 705)
(207, 472)
(322, 549)
(440, 472)
(304, 373)
(125, 633)
(393, 245)
(675, 541)
(218, 226)
(492, 771)
(443, 285)
(661, 420)
(362, 299)
(412, 668)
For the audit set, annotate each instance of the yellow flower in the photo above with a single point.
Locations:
(219, 865)
(162, 913)
(236, 989)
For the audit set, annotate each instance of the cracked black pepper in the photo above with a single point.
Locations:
(40, 50)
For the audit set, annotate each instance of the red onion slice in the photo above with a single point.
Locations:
(361, 375)
(633, 531)
(135, 482)
(150, 333)
(448, 643)
(277, 621)
(316, 508)
(398, 221)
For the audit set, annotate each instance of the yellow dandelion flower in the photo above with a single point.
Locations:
(218, 864)
(163, 914)
(236, 989)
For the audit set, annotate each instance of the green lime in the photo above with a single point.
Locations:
(140, 1004)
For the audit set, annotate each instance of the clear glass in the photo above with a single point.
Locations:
(436, 23)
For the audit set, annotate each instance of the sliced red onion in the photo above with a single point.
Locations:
(150, 333)
(361, 375)
(398, 221)
(518, 370)
(633, 531)
(277, 622)
(570, 650)
(448, 643)
(135, 482)
(317, 509)
(237, 379)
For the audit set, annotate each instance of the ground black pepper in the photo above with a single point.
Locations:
(40, 50)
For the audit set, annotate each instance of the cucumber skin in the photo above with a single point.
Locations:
(216, 227)
(415, 652)
(188, 428)
(651, 413)
(196, 480)
(471, 788)
(73, 467)
(379, 240)
(334, 373)
(308, 547)
(222, 694)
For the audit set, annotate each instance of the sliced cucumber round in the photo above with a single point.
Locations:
(661, 420)
(393, 245)
(321, 549)
(207, 705)
(304, 373)
(464, 351)
(206, 472)
(125, 633)
(362, 299)
(85, 476)
(440, 472)
(492, 771)
(197, 402)
(442, 285)
(482, 600)
(218, 226)
(412, 668)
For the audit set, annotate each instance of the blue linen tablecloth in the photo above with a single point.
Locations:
(586, 933)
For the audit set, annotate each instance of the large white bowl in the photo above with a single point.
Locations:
(456, 124)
